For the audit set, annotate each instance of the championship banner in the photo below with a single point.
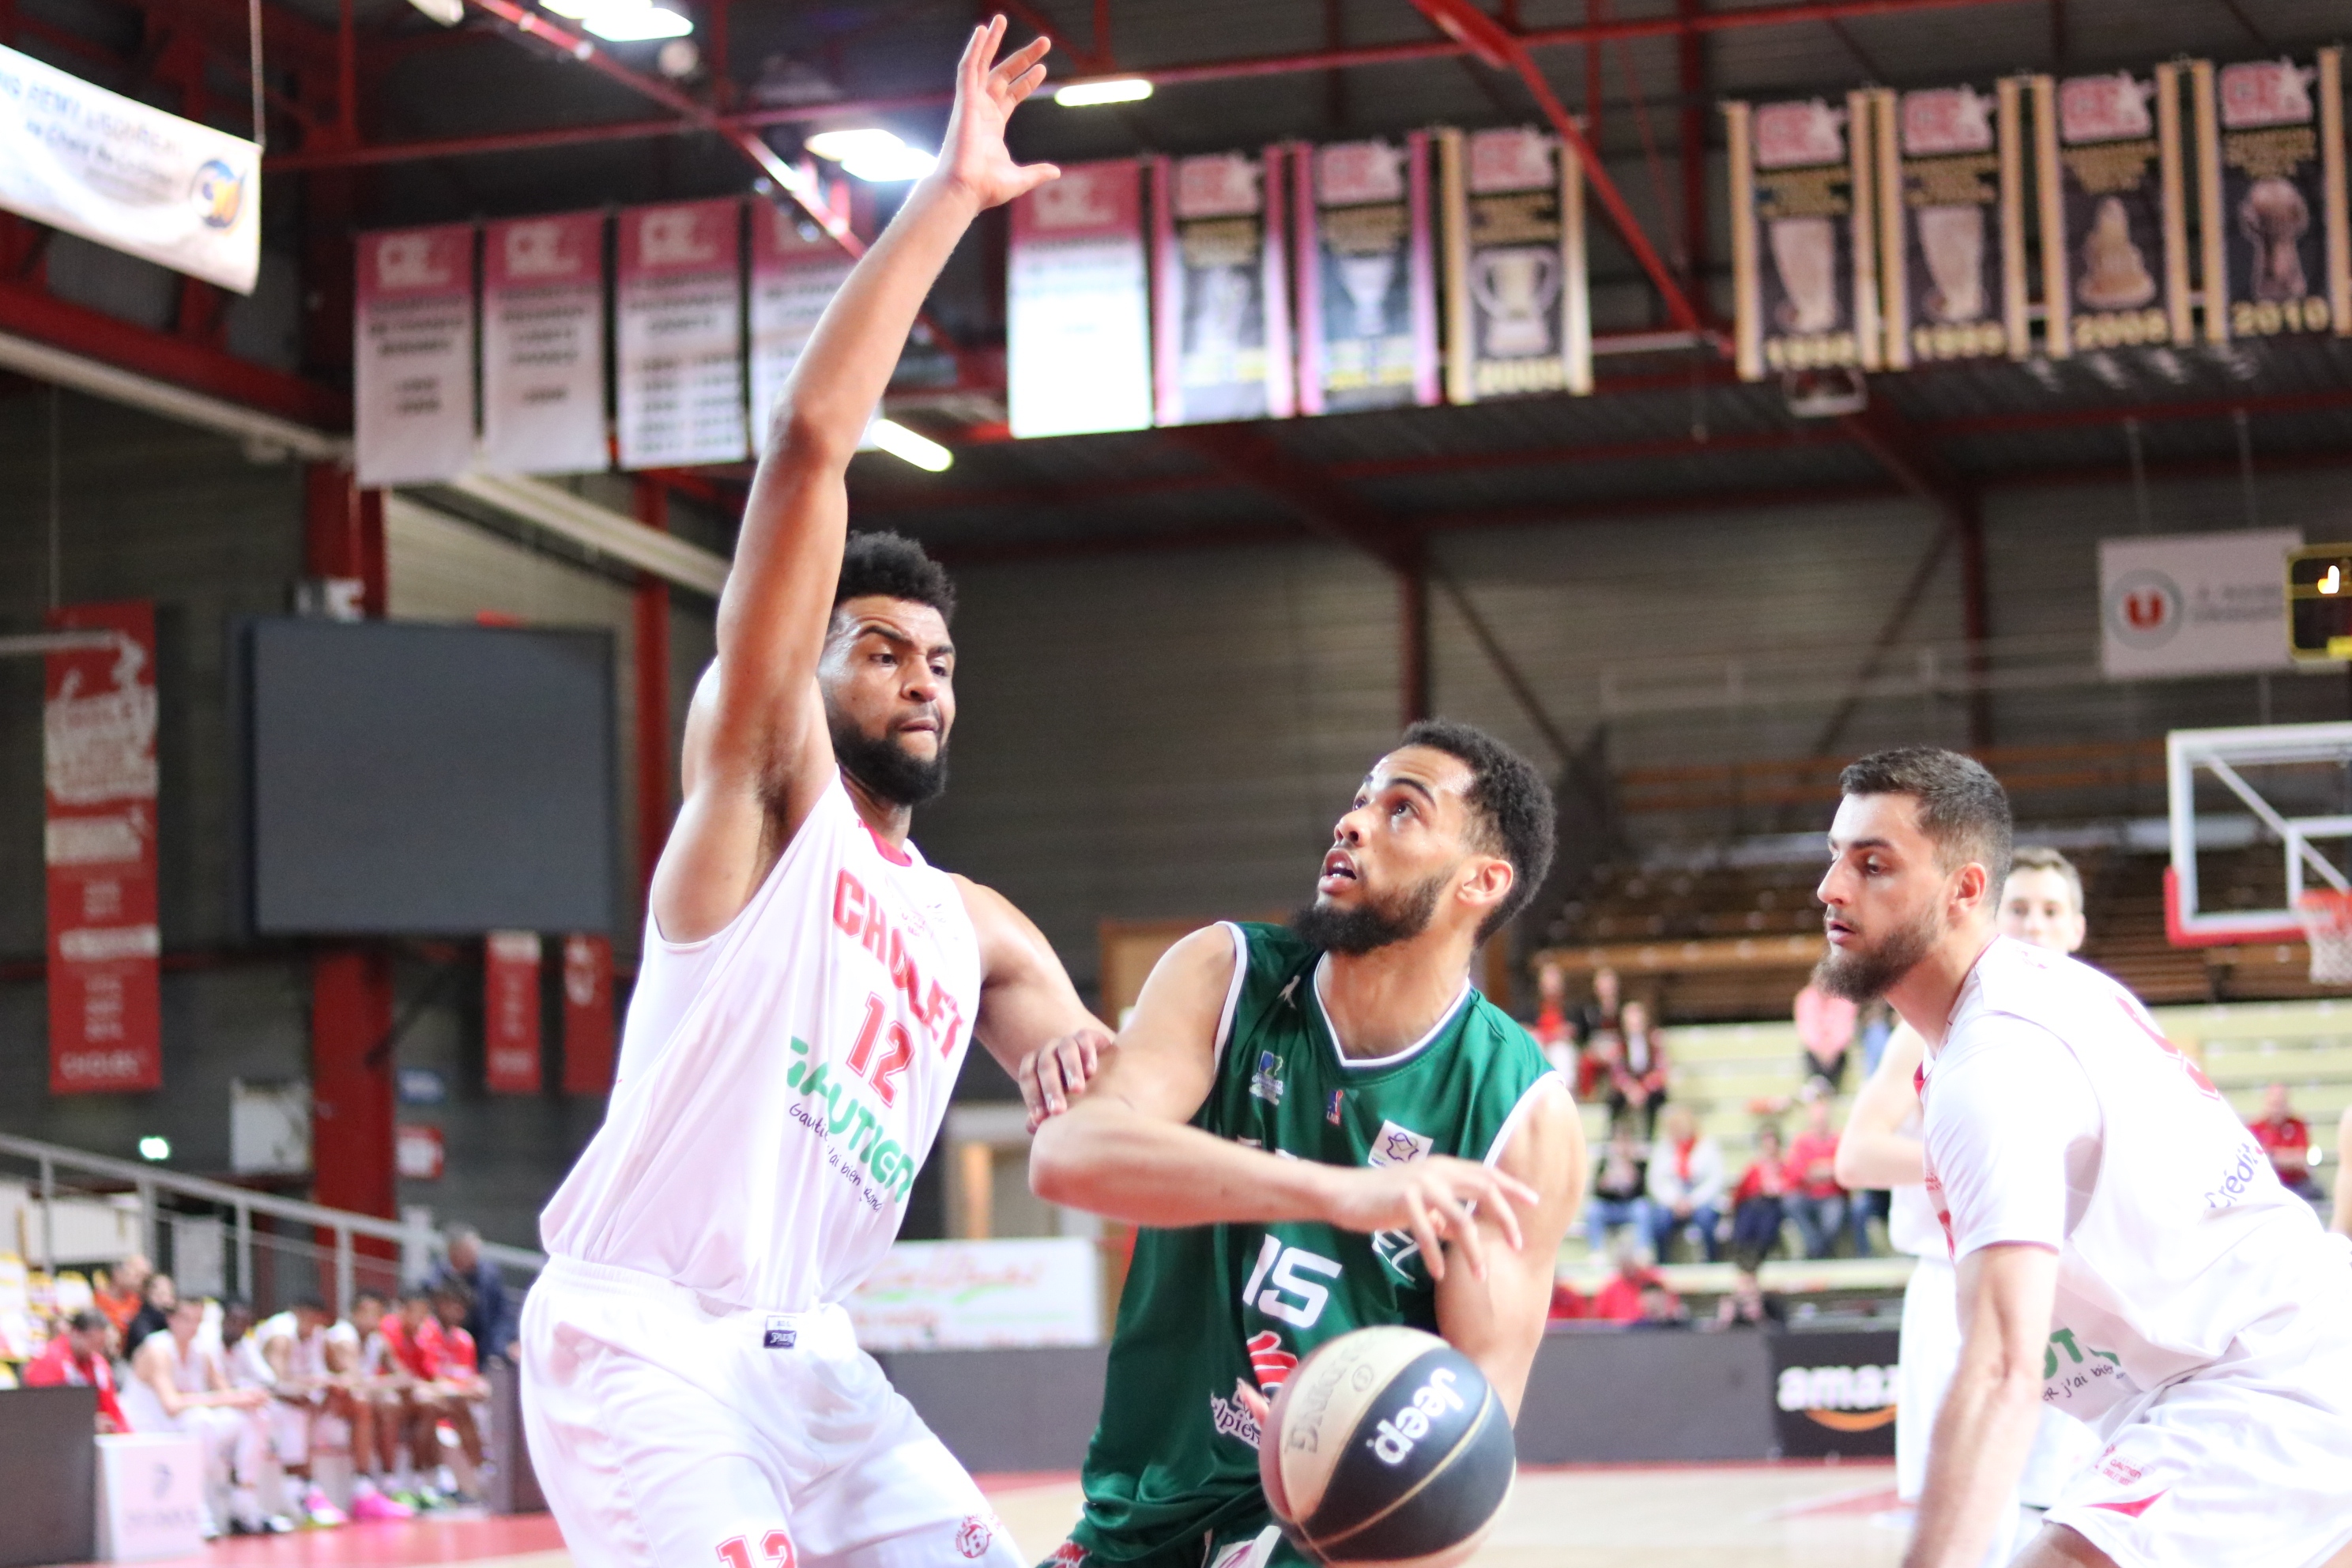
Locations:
(128, 175)
(1077, 310)
(587, 1014)
(2115, 246)
(796, 269)
(511, 1012)
(678, 323)
(1803, 200)
(543, 346)
(1951, 213)
(1366, 279)
(1517, 311)
(97, 732)
(1221, 302)
(413, 357)
(2269, 188)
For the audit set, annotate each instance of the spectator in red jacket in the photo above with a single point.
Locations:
(2286, 1140)
(77, 1359)
(1620, 1301)
(1757, 1203)
(1815, 1200)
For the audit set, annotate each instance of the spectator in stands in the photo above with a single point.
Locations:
(76, 1358)
(2340, 1221)
(1687, 1186)
(1552, 1031)
(1567, 1303)
(1877, 1027)
(1746, 1306)
(124, 1293)
(157, 1298)
(1620, 1191)
(1755, 1203)
(1637, 1069)
(1825, 1036)
(1815, 1201)
(1596, 1031)
(1660, 1307)
(1620, 1299)
(2286, 1139)
(178, 1384)
(495, 1318)
(2042, 901)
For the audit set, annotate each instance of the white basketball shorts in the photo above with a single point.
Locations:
(669, 1431)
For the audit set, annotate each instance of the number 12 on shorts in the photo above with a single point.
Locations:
(775, 1549)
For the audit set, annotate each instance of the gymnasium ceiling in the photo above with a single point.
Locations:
(379, 117)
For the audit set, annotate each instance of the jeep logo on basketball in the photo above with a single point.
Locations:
(1394, 1439)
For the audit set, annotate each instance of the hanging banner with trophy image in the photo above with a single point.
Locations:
(1951, 211)
(543, 344)
(1517, 311)
(2115, 248)
(796, 269)
(1803, 240)
(1221, 307)
(1077, 330)
(1366, 279)
(2271, 198)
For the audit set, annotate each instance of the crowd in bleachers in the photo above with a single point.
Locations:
(305, 1418)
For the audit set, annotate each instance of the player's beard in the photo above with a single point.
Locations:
(887, 768)
(1863, 976)
(1376, 922)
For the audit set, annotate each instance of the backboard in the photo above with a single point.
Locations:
(2246, 790)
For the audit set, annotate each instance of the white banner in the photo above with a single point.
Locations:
(796, 269)
(678, 335)
(979, 1295)
(2195, 604)
(413, 355)
(113, 170)
(543, 346)
(1077, 319)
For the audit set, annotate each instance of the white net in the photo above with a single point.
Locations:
(2326, 917)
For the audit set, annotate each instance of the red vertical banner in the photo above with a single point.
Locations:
(511, 1012)
(587, 1014)
(97, 726)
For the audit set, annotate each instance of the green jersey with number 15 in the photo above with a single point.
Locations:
(1213, 1309)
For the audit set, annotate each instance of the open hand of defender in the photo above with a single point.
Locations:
(975, 158)
(1433, 1198)
(1058, 1071)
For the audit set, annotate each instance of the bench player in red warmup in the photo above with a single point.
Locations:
(2125, 1252)
(692, 1391)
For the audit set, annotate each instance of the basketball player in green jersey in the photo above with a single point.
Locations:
(1318, 1129)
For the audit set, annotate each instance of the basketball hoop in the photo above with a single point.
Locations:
(2326, 917)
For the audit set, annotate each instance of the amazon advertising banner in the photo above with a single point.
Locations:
(1951, 210)
(2115, 246)
(1516, 308)
(543, 346)
(1077, 306)
(128, 175)
(1834, 1393)
(97, 764)
(511, 1054)
(587, 1014)
(796, 269)
(2269, 184)
(1804, 245)
(1366, 278)
(412, 358)
(678, 324)
(1222, 305)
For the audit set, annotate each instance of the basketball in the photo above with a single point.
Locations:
(1387, 1446)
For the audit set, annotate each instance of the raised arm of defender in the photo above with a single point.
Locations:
(758, 751)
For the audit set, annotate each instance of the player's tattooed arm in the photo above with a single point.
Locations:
(1871, 1152)
(757, 750)
(1497, 1319)
(1028, 1008)
(1986, 1425)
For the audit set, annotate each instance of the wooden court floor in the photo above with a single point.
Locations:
(1707, 1516)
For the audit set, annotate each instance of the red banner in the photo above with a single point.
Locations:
(511, 1012)
(587, 1015)
(98, 724)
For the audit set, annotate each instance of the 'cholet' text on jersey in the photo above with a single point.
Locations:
(761, 1153)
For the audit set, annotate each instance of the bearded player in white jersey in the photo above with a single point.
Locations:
(692, 1391)
(2124, 1251)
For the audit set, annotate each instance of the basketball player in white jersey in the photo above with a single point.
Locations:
(2124, 1251)
(179, 1384)
(693, 1394)
(2041, 904)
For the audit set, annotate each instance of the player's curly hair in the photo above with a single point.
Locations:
(1509, 798)
(1963, 810)
(894, 567)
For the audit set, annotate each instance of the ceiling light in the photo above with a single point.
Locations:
(873, 155)
(903, 444)
(1118, 90)
(448, 13)
(153, 1148)
(632, 24)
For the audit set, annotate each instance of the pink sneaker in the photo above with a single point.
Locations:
(320, 1510)
(373, 1508)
